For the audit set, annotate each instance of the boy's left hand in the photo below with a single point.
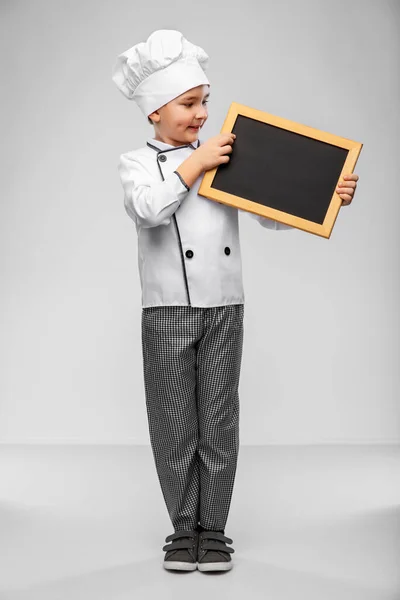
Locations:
(347, 188)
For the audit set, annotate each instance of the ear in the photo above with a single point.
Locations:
(154, 117)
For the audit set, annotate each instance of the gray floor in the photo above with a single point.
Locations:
(316, 522)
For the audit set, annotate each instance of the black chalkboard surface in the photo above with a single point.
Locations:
(282, 170)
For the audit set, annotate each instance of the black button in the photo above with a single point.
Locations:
(162, 158)
(227, 250)
(189, 253)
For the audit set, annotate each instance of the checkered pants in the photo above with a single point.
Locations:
(191, 363)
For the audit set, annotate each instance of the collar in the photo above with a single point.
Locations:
(162, 146)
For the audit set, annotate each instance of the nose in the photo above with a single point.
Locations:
(202, 114)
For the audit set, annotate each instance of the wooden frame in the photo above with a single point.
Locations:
(343, 163)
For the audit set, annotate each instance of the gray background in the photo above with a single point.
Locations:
(321, 350)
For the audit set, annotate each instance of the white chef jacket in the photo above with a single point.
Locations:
(188, 246)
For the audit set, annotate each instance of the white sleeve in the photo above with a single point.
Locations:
(268, 223)
(149, 202)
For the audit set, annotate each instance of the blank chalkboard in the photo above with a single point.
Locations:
(281, 169)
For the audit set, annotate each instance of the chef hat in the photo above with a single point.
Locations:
(156, 71)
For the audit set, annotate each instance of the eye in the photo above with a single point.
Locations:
(191, 103)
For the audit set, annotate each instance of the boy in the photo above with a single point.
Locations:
(192, 296)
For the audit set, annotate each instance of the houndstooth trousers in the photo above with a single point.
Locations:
(191, 364)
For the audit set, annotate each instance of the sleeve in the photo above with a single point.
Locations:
(268, 223)
(148, 202)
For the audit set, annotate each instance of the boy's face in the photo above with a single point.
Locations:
(172, 122)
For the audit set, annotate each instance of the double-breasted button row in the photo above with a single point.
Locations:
(190, 253)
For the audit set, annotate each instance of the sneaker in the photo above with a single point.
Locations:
(213, 554)
(181, 555)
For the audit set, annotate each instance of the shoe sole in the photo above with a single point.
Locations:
(216, 566)
(176, 565)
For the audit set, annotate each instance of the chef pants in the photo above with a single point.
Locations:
(191, 364)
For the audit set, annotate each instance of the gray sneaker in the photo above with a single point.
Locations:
(181, 555)
(213, 554)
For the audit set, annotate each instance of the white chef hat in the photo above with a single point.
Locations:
(156, 71)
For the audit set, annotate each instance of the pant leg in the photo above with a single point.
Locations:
(218, 371)
(169, 342)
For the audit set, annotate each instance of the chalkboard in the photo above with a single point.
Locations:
(281, 169)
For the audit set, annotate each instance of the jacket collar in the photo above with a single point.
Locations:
(162, 146)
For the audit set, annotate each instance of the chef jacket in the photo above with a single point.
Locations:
(188, 246)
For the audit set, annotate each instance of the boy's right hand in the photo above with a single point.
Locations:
(214, 151)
